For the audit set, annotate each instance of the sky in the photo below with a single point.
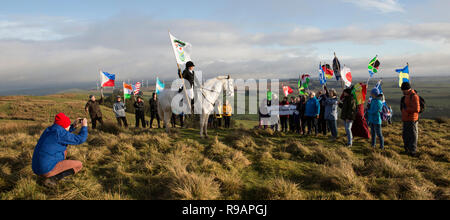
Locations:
(48, 43)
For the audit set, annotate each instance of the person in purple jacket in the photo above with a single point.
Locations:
(49, 157)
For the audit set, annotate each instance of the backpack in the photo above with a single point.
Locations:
(385, 113)
(421, 101)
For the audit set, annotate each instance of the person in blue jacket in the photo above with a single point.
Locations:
(49, 157)
(374, 115)
(312, 113)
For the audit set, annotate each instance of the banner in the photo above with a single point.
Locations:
(179, 48)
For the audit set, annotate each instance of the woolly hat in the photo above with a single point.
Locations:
(62, 120)
(375, 91)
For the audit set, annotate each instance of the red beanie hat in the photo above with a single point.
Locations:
(62, 120)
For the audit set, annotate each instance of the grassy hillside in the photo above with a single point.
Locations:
(240, 163)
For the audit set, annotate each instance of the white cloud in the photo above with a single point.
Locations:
(138, 48)
(383, 6)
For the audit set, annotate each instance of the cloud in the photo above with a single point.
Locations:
(42, 28)
(360, 35)
(383, 6)
(137, 47)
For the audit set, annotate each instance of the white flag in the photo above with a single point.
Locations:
(346, 75)
(180, 49)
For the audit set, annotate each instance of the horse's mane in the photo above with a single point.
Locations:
(209, 83)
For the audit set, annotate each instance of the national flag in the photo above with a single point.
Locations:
(337, 68)
(159, 86)
(137, 88)
(359, 93)
(374, 66)
(179, 48)
(328, 71)
(287, 90)
(108, 80)
(347, 76)
(127, 91)
(303, 84)
(322, 78)
(403, 75)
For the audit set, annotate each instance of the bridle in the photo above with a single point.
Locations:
(202, 89)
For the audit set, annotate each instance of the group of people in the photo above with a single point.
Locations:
(318, 114)
(310, 114)
(119, 108)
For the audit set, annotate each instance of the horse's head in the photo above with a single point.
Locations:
(228, 85)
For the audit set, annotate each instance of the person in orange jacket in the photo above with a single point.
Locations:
(410, 107)
(227, 112)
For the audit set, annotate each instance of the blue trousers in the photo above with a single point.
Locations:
(332, 124)
(376, 131)
(348, 130)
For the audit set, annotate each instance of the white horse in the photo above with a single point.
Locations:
(209, 93)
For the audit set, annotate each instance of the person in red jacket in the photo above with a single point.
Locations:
(410, 107)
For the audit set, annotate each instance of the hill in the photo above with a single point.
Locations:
(240, 163)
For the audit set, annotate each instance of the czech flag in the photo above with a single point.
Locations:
(403, 75)
(108, 80)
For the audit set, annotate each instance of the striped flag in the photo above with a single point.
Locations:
(137, 88)
(127, 91)
(159, 86)
(328, 71)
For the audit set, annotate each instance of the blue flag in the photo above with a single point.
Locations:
(159, 86)
(403, 75)
(322, 78)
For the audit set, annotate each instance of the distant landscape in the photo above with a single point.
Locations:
(237, 163)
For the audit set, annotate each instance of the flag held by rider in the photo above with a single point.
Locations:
(181, 50)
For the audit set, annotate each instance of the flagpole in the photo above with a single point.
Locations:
(181, 76)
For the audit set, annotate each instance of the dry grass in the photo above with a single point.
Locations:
(122, 164)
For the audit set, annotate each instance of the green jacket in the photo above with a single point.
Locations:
(348, 108)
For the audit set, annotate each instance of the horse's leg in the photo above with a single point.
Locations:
(167, 120)
(205, 125)
(201, 125)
